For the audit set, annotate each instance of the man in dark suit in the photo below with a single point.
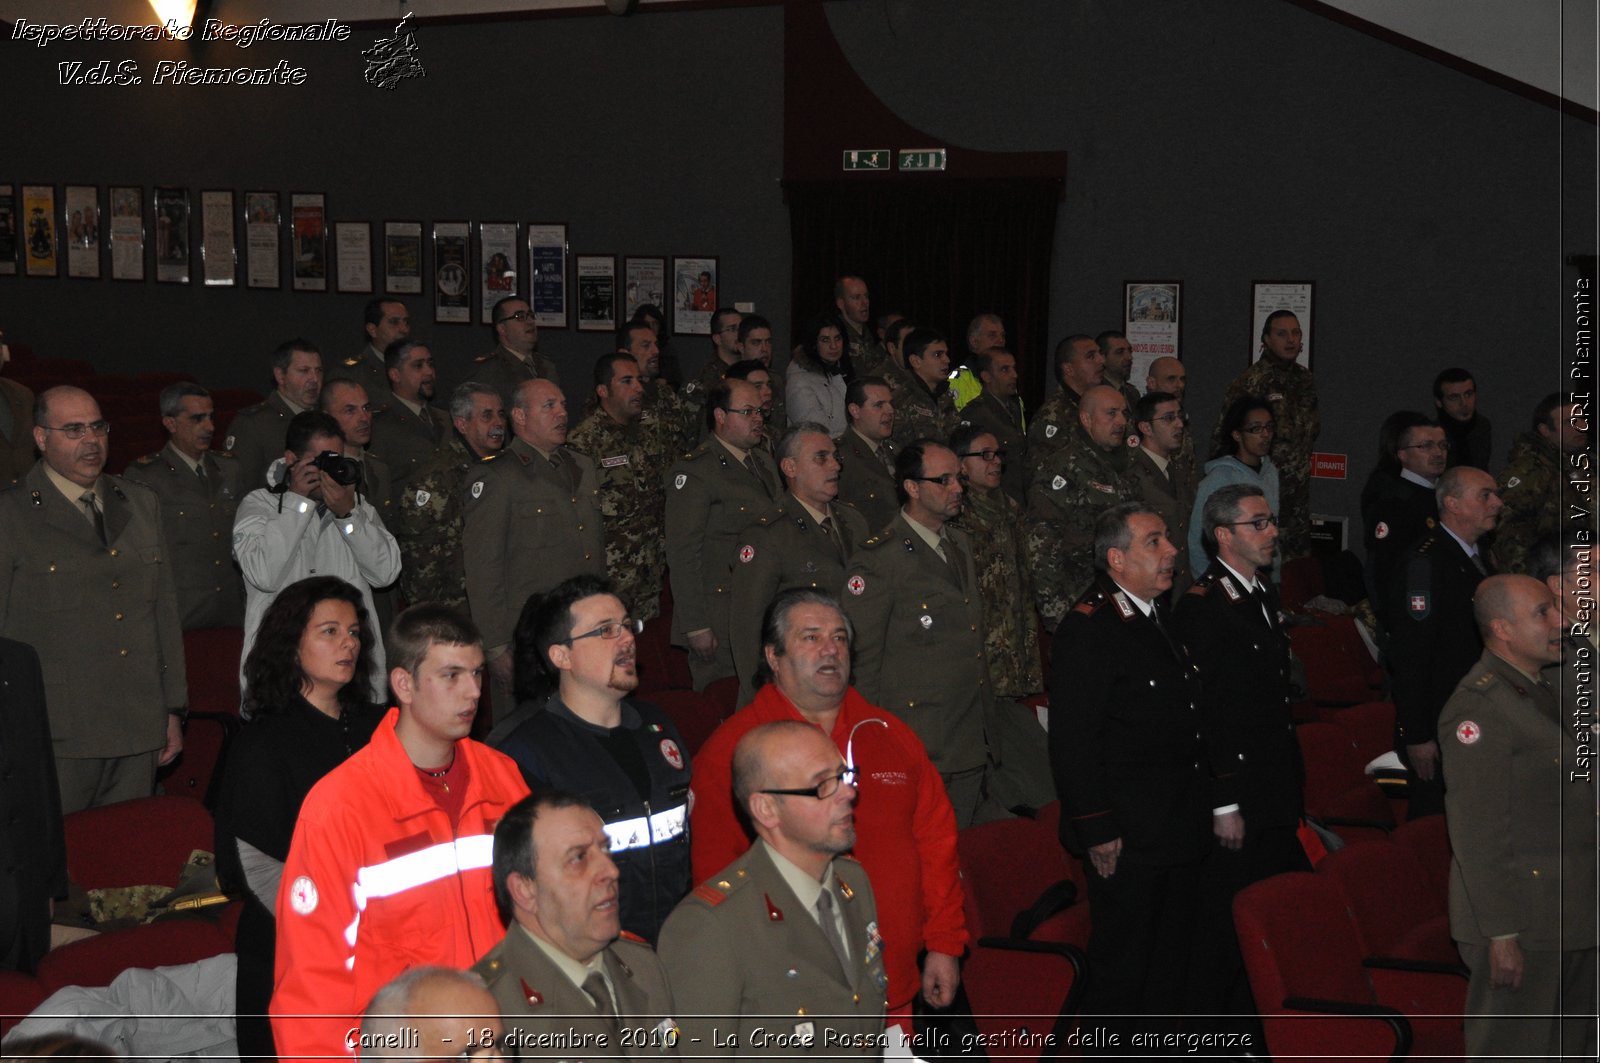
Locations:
(84, 576)
(1126, 749)
(1433, 639)
(1397, 503)
(33, 853)
(565, 965)
(1229, 622)
(793, 902)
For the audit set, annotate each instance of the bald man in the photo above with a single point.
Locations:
(531, 519)
(1521, 814)
(430, 1015)
(1071, 487)
(84, 580)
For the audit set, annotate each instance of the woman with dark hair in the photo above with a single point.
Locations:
(819, 374)
(1240, 458)
(306, 683)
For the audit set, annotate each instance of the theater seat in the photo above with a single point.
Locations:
(1316, 993)
(211, 659)
(693, 713)
(1395, 908)
(19, 995)
(1025, 968)
(1338, 792)
(1339, 668)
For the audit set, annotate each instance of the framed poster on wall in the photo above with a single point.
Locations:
(8, 230)
(308, 242)
(39, 230)
(694, 294)
(597, 292)
(263, 240)
(402, 257)
(1269, 297)
(547, 268)
(497, 255)
(127, 232)
(1152, 312)
(172, 210)
(352, 244)
(80, 222)
(219, 248)
(644, 282)
(452, 274)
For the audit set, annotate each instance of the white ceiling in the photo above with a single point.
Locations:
(1547, 44)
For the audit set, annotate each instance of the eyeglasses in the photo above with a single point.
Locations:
(823, 790)
(1260, 524)
(610, 630)
(1258, 429)
(745, 411)
(1432, 444)
(1176, 415)
(949, 479)
(517, 315)
(986, 455)
(77, 429)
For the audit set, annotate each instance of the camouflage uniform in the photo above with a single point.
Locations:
(692, 397)
(631, 461)
(1532, 488)
(427, 524)
(919, 412)
(1289, 389)
(665, 413)
(1070, 490)
(993, 523)
(1053, 426)
(867, 356)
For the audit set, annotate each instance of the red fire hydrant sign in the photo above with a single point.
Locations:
(1329, 466)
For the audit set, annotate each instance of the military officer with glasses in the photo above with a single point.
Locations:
(997, 409)
(516, 356)
(85, 579)
(576, 729)
(1158, 475)
(713, 494)
(912, 593)
(780, 952)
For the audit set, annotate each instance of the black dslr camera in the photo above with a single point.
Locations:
(340, 469)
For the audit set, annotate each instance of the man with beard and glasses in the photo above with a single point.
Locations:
(577, 729)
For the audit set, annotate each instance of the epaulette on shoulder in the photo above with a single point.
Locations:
(1202, 586)
(352, 361)
(1426, 545)
(873, 543)
(1485, 681)
(631, 937)
(482, 358)
(713, 891)
(1091, 602)
(697, 452)
(148, 459)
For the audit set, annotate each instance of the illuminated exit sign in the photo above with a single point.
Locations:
(877, 159)
(924, 159)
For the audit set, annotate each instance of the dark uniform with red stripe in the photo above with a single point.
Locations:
(1126, 749)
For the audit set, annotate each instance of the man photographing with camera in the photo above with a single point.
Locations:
(312, 521)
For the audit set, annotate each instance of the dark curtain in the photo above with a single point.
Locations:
(938, 252)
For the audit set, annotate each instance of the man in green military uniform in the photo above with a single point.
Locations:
(1079, 367)
(998, 410)
(1159, 478)
(854, 304)
(531, 519)
(83, 580)
(664, 412)
(993, 522)
(427, 515)
(755, 344)
(409, 430)
(565, 968)
(713, 493)
(1071, 488)
(1532, 486)
(912, 593)
(804, 541)
(792, 903)
(385, 322)
(866, 481)
(347, 402)
(631, 460)
(255, 437)
(199, 491)
(725, 324)
(1521, 814)
(1118, 353)
(516, 356)
(924, 408)
(1289, 389)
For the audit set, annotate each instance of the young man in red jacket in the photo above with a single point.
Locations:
(390, 864)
